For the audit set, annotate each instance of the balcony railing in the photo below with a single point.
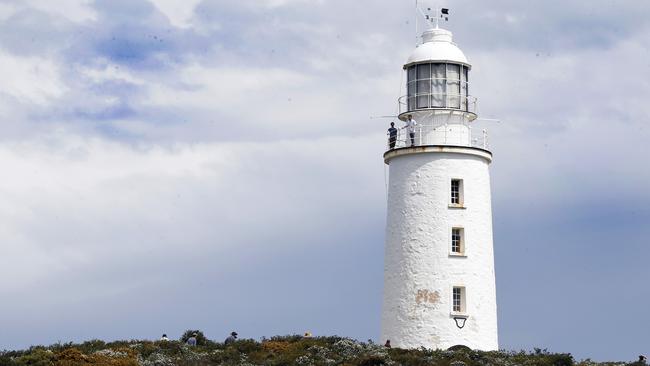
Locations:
(410, 103)
(451, 135)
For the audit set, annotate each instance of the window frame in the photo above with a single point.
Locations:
(461, 241)
(461, 309)
(457, 202)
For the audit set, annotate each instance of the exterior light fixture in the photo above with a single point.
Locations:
(460, 321)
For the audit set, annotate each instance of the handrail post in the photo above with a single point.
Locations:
(399, 138)
(485, 137)
(446, 127)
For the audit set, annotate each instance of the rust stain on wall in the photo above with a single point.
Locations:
(426, 296)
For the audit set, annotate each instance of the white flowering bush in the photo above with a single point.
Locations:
(157, 359)
(277, 351)
(348, 349)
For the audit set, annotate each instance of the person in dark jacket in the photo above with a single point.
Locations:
(231, 339)
(392, 135)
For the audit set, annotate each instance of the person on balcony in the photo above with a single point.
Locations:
(410, 128)
(392, 135)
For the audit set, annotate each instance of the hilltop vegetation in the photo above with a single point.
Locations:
(276, 351)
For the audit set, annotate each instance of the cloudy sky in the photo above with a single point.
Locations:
(177, 164)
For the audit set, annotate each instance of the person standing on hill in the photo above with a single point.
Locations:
(191, 341)
(231, 339)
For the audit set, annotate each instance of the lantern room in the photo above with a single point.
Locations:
(437, 74)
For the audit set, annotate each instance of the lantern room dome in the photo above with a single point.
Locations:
(437, 46)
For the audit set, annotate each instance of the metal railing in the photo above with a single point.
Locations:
(450, 135)
(410, 103)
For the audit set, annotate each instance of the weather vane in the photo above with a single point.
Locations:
(431, 17)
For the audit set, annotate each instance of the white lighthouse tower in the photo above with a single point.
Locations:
(439, 283)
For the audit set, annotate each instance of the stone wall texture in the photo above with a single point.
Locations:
(419, 271)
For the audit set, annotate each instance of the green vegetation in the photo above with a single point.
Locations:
(276, 351)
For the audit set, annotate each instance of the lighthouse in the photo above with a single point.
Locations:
(439, 281)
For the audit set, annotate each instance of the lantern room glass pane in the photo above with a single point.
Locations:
(423, 101)
(453, 86)
(438, 86)
(453, 72)
(411, 74)
(424, 86)
(424, 71)
(466, 71)
(411, 103)
(463, 88)
(411, 89)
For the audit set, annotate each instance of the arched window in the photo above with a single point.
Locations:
(437, 85)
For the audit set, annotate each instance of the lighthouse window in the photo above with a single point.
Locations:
(411, 75)
(411, 89)
(453, 85)
(463, 89)
(437, 85)
(423, 85)
(424, 71)
(457, 240)
(456, 192)
(458, 299)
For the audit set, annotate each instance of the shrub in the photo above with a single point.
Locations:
(247, 346)
(371, 361)
(145, 348)
(91, 346)
(275, 346)
(71, 357)
(37, 357)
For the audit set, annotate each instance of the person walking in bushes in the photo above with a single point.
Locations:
(232, 338)
(410, 128)
(392, 135)
(191, 341)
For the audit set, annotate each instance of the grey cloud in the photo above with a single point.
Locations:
(549, 26)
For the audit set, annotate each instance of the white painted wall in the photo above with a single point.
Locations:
(419, 271)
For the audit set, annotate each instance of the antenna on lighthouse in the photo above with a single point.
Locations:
(431, 17)
(417, 34)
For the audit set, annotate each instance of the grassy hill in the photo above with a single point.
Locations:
(276, 351)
